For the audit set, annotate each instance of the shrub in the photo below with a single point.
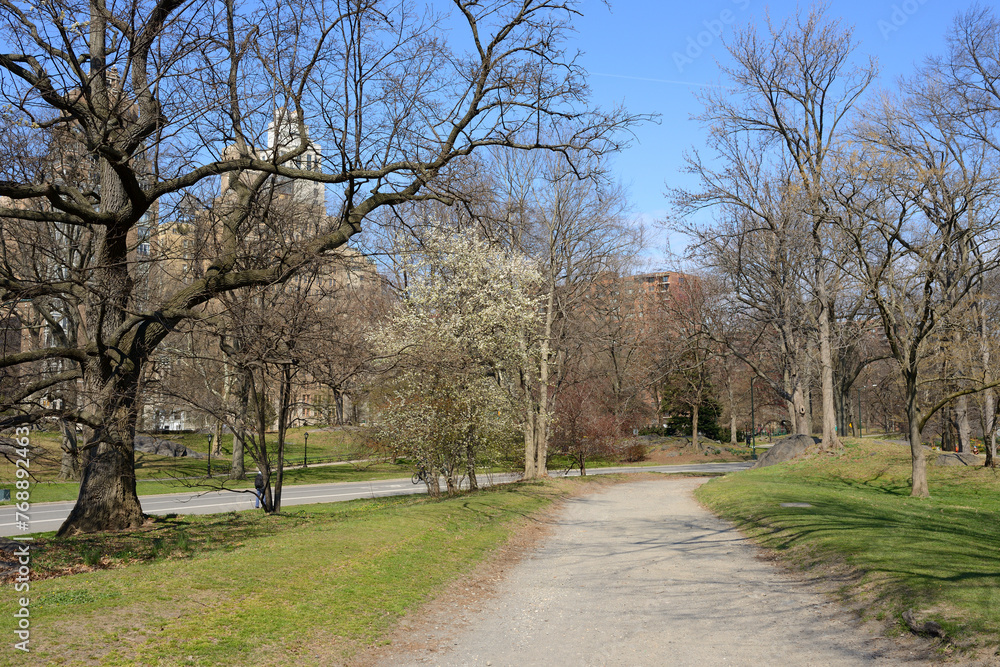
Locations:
(632, 451)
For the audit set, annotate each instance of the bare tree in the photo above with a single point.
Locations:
(576, 230)
(774, 124)
(920, 203)
(161, 96)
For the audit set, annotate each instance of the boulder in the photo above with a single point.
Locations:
(786, 449)
(958, 459)
(150, 445)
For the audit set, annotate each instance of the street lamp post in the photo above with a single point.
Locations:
(305, 456)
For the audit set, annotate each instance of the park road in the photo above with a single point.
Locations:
(641, 574)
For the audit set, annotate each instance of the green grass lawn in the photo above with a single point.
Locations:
(939, 556)
(164, 474)
(325, 445)
(52, 491)
(309, 587)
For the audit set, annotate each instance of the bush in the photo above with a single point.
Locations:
(632, 451)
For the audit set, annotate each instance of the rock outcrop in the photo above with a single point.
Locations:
(150, 445)
(786, 449)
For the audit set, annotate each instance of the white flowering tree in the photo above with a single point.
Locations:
(455, 342)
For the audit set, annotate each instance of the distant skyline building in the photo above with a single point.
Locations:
(286, 133)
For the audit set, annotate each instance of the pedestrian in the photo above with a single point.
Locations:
(258, 484)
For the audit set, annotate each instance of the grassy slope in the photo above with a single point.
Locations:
(52, 491)
(310, 587)
(162, 474)
(938, 556)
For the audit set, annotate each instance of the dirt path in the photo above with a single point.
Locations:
(640, 574)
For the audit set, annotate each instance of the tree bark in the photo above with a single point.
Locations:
(529, 435)
(694, 428)
(919, 488)
(470, 464)
(69, 467)
(990, 432)
(962, 426)
(829, 411)
(433, 482)
(238, 468)
(799, 410)
(217, 439)
(536, 425)
(284, 402)
(107, 499)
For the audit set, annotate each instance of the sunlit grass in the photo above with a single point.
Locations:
(938, 556)
(309, 587)
(165, 474)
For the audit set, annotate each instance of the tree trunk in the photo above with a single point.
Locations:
(732, 414)
(830, 440)
(107, 499)
(989, 400)
(536, 424)
(990, 431)
(919, 487)
(263, 464)
(694, 428)
(217, 439)
(542, 421)
(284, 403)
(69, 468)
(841, 401)
(238, 468)
(433, 482)
(338, 400)
(947, 441)
(529, 437)
(470, 464)
(800, 411)
(962, 426)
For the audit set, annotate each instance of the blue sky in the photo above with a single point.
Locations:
(651, 56)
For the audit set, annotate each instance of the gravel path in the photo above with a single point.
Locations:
(640, 574)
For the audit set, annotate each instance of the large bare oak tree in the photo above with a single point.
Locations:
(156, 96)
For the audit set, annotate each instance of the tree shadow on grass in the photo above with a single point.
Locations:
(880, 482)
(161, 538)
(922, 552)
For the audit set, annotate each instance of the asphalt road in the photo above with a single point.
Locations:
(49, 516)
